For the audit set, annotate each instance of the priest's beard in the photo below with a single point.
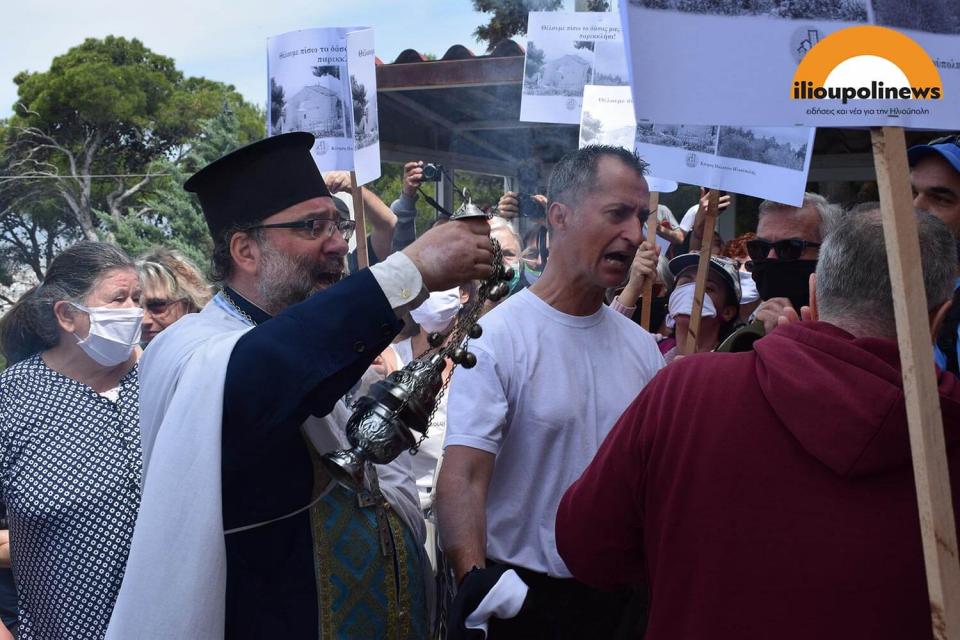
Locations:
(286, 280)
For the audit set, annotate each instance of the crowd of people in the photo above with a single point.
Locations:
(162, 434)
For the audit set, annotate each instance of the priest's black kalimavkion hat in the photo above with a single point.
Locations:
(257, 181)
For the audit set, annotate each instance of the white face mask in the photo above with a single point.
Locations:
(113, 333)
(748, 288)
(438, 311)
(681, 303)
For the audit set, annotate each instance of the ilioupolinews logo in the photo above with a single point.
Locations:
(866, 63)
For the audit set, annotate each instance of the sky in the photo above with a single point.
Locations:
(221, 40)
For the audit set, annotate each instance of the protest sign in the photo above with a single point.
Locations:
(736, 64)
(324, 81)
(565, 52)
(766, 162)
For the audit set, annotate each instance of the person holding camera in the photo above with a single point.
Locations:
(405, 207)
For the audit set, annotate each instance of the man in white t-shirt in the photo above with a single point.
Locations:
(555, 369)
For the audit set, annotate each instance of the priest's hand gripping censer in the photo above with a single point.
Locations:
(397, 411)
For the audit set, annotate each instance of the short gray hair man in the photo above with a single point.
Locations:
(828, 212)
(853, 288)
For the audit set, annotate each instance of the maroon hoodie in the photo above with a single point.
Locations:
(764, 495)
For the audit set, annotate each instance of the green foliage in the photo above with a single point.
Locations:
(388, 188)
(172, 217)
(112, 107)
(509, 17)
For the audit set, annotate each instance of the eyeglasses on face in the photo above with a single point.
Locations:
(786, 249)
(158, 306)
(318, 227)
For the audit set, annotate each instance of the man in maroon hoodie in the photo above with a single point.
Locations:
(769, 494)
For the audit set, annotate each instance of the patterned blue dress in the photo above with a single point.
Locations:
(70, 463)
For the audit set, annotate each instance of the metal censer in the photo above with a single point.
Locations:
(395, 414)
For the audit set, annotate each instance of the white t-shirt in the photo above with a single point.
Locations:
(664, 213)
(546, 390)
(689, 218)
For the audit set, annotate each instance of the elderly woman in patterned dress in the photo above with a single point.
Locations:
(70, 457)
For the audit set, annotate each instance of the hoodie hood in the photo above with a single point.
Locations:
(842, 397)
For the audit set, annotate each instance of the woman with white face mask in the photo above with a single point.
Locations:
(70, 439)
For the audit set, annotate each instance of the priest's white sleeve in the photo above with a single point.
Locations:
(401, 282)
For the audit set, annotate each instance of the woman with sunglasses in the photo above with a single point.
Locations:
(172, 287)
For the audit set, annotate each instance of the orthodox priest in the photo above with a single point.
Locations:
(241, 533)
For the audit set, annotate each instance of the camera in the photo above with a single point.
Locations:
(529, 207)
(432, 172)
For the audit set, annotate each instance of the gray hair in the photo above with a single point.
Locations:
(31, 326)
(853, 279)
(829, 213)
(497, 224)
(576, 173)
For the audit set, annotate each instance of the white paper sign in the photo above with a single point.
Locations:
(361, 65)
(310, 88)
(565, 52)
(766, 162)
(735, 63)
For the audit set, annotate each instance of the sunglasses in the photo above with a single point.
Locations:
(159, 307)
(787, 249)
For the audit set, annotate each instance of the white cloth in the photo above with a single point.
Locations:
(175, 581)
(425, 461)
(689, 218)
(748, 287)
(401, 282)
(438, 310)
(404, 350)
(546, 390)
(503, 601)
(681, 303)
(664, 213)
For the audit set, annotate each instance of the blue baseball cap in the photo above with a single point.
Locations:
(948, 148)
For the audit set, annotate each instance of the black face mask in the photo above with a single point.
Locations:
(784, 279)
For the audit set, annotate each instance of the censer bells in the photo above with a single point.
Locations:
(396, 412)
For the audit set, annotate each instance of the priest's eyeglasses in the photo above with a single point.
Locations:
(319, 228)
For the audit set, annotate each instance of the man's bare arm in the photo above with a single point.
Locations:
(461, 506)
(382, 220)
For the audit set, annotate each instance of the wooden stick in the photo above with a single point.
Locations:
(706, 244)
(363, 261)
(937, 524)
(647, 296)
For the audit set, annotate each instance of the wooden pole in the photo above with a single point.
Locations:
(647, 295)
(363, 261)
(703, 267)
(930, 472)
